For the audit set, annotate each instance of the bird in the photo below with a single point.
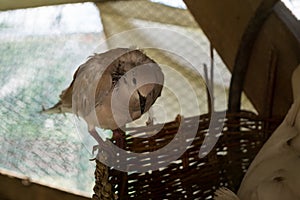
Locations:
(274, 172)
(111, 89)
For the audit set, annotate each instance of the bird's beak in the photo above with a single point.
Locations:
(142, 102)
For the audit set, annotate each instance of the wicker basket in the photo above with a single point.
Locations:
(190, 177)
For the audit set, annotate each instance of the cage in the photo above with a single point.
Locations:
(169, 33)
(188, 177)
(240, 134)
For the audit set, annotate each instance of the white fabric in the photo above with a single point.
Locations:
(274, 173)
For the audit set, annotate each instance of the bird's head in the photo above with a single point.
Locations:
(137, 90)
(143, 98)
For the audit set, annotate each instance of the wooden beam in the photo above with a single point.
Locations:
(279, 37)
(274, 54)
(243, 55)
(16, 186)
(224, 23)
(18, 4)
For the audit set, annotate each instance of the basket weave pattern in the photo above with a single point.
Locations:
(191, 177)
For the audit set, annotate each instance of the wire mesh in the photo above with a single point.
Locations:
(42, 47)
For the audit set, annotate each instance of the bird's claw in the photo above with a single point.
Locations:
(95, 148)
(100, 156)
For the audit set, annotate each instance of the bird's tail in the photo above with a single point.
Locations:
(57, 108)
(225, 194)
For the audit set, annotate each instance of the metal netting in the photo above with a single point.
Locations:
(42, 47)
(39, 54)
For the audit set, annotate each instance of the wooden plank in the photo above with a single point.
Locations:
(283, 39)
(16, 186)
(224, 23)
(9, 5)
(276, 48)
(243, 55)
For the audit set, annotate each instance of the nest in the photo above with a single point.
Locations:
(189, 177)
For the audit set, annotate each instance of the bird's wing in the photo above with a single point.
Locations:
(90, 86)
(94, 80)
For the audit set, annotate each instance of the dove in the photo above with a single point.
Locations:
(111, 89)
(274, 173)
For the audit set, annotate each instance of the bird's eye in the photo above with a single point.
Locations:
(134, 81)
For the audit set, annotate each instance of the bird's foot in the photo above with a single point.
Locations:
(95, 148)
(101, 153)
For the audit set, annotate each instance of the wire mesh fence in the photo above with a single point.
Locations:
(42, 47)
(37, 62)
